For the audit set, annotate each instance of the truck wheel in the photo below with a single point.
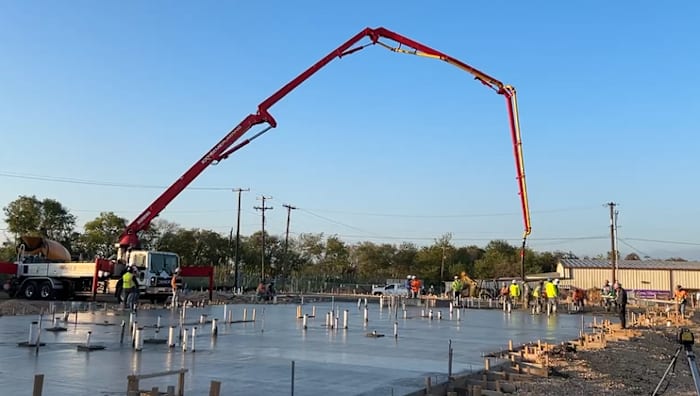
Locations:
(30, 290)
(46, 291)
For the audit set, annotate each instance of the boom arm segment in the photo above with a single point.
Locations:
(220, 151)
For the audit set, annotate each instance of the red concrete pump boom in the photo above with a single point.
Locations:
(220, 151)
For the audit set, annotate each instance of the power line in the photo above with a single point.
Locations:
(634, 248)
(70, 180)
(663, 241)
(333, 221)
(453, 215)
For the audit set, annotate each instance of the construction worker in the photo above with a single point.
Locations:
(681, 297)
(526, 293)
(621, 297)
(513, 292)
(536, 294)
(456, 289)
(550, 289)
(503, 294)
(127, 284)
(131, 288)
(578, 298)
(606, 293)
(261, 291)
(415, 287)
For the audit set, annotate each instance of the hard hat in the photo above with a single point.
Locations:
(413, 277)
(456, 277)
(177, 270)
(408, 276)
(513, 281)
(556, 281)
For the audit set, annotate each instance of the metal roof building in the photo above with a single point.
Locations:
(652, 276)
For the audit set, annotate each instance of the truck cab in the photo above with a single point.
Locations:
(155, 270)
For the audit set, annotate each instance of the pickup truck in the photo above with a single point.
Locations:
(394, 289)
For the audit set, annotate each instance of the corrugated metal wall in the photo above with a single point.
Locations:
(634, 279)
(586, 278)
(687, 279)
(631, 279)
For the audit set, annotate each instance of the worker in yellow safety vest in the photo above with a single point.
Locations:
(127, 284)
(537, 294)
(551, 292)
(514, 290)
(130, 286)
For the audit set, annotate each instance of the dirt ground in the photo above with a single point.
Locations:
(633, 367)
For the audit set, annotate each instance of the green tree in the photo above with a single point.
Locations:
(8, 251)
(500, 259)
(196, 247)
(30, 216)
(252, 254)
(152, 237)
(336, 259)
(465, 257)
(101, 234)
(373, 262)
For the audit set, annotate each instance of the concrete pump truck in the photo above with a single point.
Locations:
(39, 273)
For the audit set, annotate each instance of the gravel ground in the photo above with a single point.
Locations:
(632, 367)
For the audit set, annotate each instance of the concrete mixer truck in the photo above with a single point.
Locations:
(44, 270)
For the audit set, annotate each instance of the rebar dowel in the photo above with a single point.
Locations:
(121, 337)
(194, 334)
(171, 337)
(292, 378)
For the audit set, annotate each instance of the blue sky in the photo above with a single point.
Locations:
(376, 146)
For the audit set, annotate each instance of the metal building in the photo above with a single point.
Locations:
(653, 277)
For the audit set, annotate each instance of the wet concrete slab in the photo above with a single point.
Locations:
(256, 357)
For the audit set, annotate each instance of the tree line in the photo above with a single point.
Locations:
(318, 256)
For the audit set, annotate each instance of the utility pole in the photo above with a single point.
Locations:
(442, 265)
(286, 235)
(263, 208)
(236, 260)
(613, 248)
(617, 246)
